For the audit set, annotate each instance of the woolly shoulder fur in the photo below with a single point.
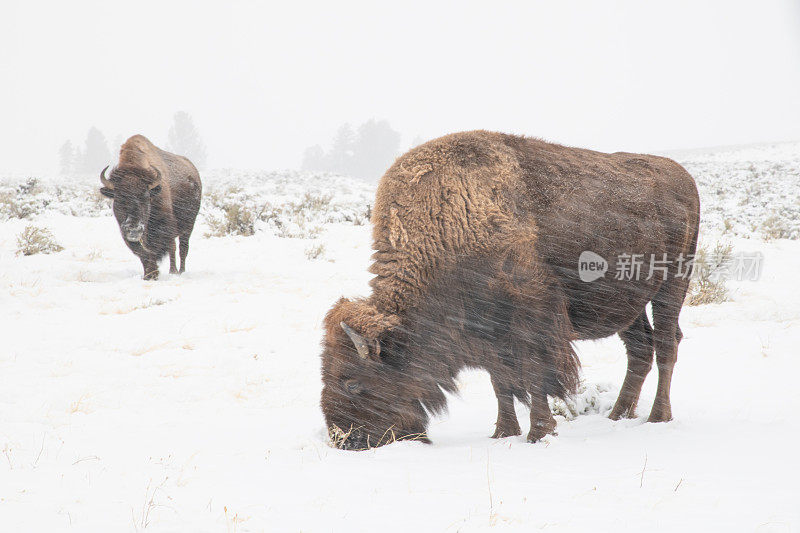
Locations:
(447, 198)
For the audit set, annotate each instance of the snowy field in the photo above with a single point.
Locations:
(191, 403)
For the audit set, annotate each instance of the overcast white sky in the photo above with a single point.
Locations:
(265, 80)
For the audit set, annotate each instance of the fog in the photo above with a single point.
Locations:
(264, 81)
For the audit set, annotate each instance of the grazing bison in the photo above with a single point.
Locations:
(156, 199)
(477, 240)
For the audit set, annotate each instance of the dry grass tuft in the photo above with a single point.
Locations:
(232, 520)
(315, 252)
(35, 240)
(144, 519)
(338, 437)
(79, 405)
(94, 254)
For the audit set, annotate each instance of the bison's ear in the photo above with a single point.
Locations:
(105, 191)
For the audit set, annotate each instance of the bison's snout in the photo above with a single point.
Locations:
(356, 443)
(354, 440)
(133, 232)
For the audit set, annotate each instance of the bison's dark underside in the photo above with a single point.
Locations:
(508, 316)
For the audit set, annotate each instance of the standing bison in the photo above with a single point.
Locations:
(477, 240)
(156, 199)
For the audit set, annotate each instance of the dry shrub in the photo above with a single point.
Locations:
(775, 227)
(232, 210)
(30, 187)
(707, 285)
(236, 219)
(24, 201)
(13, 205)
(312, 203)
(36, 240)
(299, 229)
(315, 252)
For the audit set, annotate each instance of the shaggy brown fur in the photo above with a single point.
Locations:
(156, 199)
(477, 238)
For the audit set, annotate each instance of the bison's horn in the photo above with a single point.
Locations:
(361, 344)
(106, 183)
(157, 182)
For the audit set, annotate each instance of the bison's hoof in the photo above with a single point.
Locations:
(660, 416)
(623, 411)
(151, 276)
(173, 270)
(540, 429)
(661, 412)
(507, 430)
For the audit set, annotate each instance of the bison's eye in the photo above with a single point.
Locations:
(352, 386)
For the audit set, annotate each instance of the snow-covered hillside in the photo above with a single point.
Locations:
(750, 190)
(191, 403)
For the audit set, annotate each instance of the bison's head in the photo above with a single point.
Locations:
(372, 393)
(133, 190)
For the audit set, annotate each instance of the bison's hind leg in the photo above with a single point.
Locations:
(638, 339)
(666, 334)
(507, 424)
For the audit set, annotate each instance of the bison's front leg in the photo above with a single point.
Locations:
(173, 269)
(507, 424)
(150, 267)
(542, 421)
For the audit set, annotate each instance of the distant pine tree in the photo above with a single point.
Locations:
(313, 158)
(365, 154)
(376, 148)
(66, 159)
(95, 154)
(340, 158)
(77, 166)
(184, 139)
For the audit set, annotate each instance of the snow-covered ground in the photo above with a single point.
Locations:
(191, 403)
